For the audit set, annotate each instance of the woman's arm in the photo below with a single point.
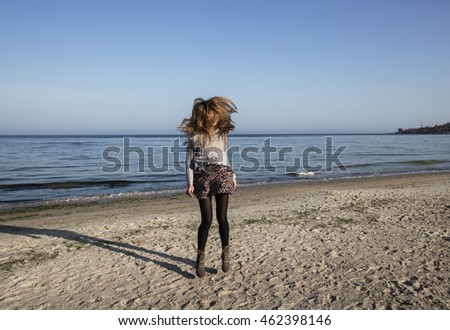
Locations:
(190, 166)
(227, 160)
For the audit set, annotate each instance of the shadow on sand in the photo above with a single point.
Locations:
(118, 247)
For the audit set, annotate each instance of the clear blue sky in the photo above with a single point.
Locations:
(129, 66)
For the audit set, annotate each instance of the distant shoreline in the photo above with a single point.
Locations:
(437, 129)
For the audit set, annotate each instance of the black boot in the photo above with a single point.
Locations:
(200, 264)
(226, 258)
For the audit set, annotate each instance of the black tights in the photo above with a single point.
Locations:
(207, 214)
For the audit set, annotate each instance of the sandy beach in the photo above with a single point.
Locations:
(373, 243)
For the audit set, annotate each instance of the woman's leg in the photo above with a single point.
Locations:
(203, 230)
(221, 210)
(224, 229)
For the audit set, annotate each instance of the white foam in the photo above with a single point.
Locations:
(304, 173)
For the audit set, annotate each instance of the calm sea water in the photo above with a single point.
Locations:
(48, 168)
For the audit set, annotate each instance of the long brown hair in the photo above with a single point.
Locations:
(198, 122)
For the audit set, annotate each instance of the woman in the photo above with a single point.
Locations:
(208, 170)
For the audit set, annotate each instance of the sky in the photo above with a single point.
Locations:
(135, 66)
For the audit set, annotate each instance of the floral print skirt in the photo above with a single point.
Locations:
(213, 180)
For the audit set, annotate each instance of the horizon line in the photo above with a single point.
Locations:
(181, 134)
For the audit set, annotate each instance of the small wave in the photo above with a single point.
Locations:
(301, 173)
(65, 185)
(15, 204)
(406, 162)
(359, 165)
(424, 162)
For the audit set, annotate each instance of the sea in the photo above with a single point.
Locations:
(62, 168)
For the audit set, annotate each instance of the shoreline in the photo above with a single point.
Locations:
(360, 243)
(148, 195)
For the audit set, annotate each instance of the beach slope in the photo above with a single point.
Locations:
(374, 243)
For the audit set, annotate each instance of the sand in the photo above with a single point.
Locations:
(374, 243)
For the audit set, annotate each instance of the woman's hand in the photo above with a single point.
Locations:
(234, 182)
(190, 190)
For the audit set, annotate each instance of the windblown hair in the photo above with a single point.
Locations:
(198, 123)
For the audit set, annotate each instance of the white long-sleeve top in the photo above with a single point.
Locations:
(198, 156)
